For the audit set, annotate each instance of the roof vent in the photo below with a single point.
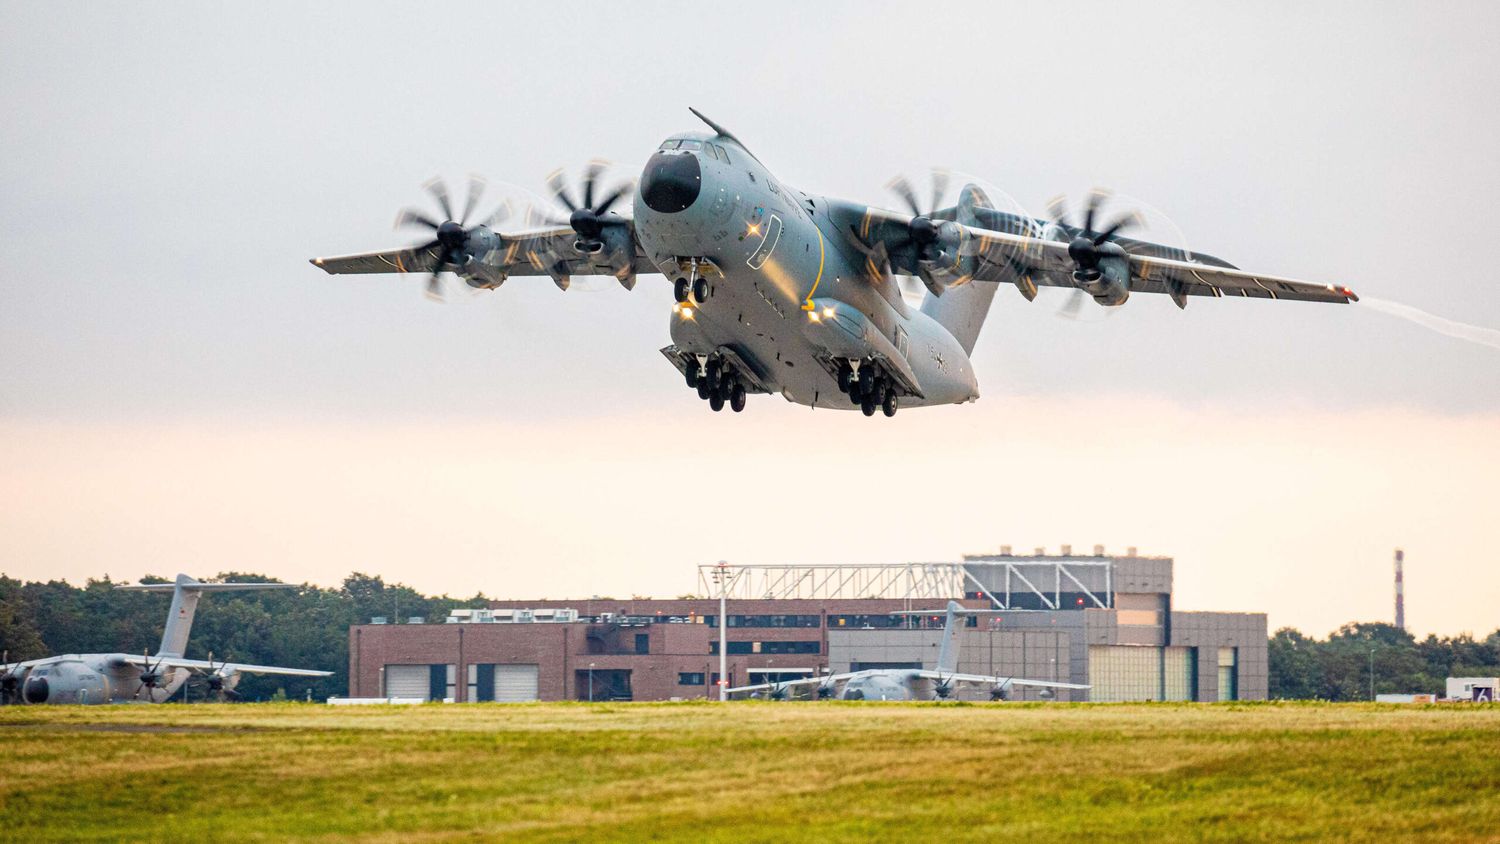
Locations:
(1098, 550)
(1067, 550)
(377, 619)
(416, 619)
(1005, 550)
(1130, 552)
(1041, 552)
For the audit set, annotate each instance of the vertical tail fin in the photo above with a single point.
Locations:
(947, 661)
(185, 594)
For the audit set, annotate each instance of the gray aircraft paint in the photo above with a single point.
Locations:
(116, 677)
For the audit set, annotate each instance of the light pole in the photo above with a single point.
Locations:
(591, 682)
(721, 574)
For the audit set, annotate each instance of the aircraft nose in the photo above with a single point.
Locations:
(672, 182)
(36, 690)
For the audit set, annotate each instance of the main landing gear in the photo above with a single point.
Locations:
(717, 383)
(868, 387)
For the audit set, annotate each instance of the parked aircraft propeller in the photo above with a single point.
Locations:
(150, 677)
(215, 681)
(10, 682)
(1088, 245)
(451, 236)
(942, 689)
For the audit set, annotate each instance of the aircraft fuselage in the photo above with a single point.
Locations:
(787, 292)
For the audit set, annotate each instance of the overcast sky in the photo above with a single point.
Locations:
(180, 390)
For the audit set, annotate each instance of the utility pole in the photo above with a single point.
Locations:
(721, 574)
(1372, 674)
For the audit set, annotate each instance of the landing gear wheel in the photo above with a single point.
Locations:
(700, 291)
(889, 405)
(846, 378)
(691, 372)
(712, 372)
(680, 289)
(867, 406)
(737, 398)
(869, 386)
(716, 402)
(704, 391)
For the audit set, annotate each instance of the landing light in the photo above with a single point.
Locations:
(753, 230)
(828, 311)
(813, 316)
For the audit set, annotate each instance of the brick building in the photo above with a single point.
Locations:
(1105, 621)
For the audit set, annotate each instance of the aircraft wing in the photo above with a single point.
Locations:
(535, 252)
(223, 667)
(805, 681)
(1020, 259)
(945, 677)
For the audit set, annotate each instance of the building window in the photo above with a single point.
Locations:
(643, 643)
(690, 678)
(742, 648)
(768, 621)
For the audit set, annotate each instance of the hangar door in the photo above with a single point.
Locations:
(503, 683)
(408, 681)
(1141, 672)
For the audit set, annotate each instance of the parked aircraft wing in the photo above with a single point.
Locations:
(945, 677)
(805, 681)
(222, 667)
(1017, 258)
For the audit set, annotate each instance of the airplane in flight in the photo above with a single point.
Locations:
(138, 678)
(824, 325)
(939, 683)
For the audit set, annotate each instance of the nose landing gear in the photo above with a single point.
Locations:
(692, 286)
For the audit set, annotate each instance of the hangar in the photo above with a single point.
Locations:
(1099, 619)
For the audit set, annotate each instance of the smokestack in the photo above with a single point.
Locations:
(1400, 593)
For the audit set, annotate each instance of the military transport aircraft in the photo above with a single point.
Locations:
(138, 678)
(908, 683)
(782, 291)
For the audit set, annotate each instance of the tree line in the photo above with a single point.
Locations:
(306, 627)
(1363, 658)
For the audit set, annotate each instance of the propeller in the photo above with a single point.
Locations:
(922, 231)
(825, 691)
(451, 236)
(150, 677)
(1000, 691)
(214, 681)
(10, 683)
(777, 692)
(587, 217)
(943, 689)
(1088, 245)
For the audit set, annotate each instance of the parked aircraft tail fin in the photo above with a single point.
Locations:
(185, 594)
(962, 310)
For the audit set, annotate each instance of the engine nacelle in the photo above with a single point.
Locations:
(1110, 283)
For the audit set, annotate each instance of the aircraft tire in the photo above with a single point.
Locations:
(716, 402)
(737, 398)
(867, 406)
(703, 390)
(680, 289)
(846, 378)
(700, 290)
(888, 406)
(691, 372)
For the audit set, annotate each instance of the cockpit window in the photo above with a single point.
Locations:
(672, 144)
(692, 145)
(723, 154)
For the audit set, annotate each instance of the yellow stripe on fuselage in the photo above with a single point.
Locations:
(808, 304)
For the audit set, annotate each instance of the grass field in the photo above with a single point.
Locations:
(752, 771)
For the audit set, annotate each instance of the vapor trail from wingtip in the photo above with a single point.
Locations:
(1462, 330)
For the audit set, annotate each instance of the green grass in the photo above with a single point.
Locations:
(752, 772)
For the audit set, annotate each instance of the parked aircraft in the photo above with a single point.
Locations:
(138, 678)
(824, 325)
(909, 683)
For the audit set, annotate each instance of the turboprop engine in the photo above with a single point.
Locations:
(1101, 266)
